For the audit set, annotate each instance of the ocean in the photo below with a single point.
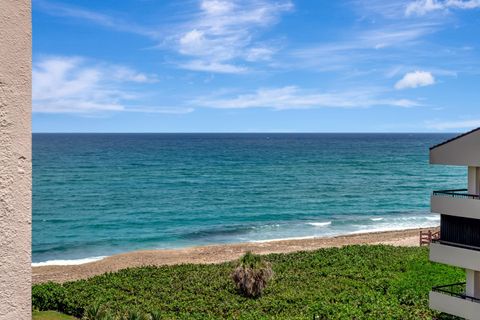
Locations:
(96, 195)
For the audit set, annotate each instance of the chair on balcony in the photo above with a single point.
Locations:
(426, 237)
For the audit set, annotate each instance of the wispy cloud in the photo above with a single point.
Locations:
(77, 85)
(379, 45)
(224, 32)
(449, 125)
(69, 11)
(219, 36)
(415, 79)
(292, 97)
(215, 67)
(422, 7)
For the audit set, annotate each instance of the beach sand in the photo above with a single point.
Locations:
(216, 254)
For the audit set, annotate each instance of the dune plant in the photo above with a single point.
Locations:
(156, 315)
(252, 275)
(135, 315)
(97, 312)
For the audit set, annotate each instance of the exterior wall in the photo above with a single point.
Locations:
(15, 159)
(464, 151)
(473, 276)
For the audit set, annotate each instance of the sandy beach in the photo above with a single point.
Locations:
(216, 254)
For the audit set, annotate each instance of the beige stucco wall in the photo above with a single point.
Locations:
(15, 159)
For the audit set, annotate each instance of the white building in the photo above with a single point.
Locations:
(459, 243)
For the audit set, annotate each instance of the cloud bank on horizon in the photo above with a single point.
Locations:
(256, 65)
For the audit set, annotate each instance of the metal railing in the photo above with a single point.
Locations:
(457, 193)
(455, 290)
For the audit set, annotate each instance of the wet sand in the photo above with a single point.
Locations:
(216, 254)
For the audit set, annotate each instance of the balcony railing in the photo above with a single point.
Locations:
(457, 193)
(455, 290)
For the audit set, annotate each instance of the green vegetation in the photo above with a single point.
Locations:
(354, 282)
(50, 315)
(252, 275)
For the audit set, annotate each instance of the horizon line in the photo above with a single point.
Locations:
(243, 132)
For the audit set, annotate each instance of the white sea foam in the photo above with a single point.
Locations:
(386, 228)
(320, 224)
(66, 262)
(283, 239)
(376, 219)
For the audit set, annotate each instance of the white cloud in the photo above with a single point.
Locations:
(216, 37)
(217, 7)
(77, 85)
(217, 67)
(291, 97)
(422, 7)
(415, 79)
(63, 10)
(449, 125)
(259, 54)
(469, 4)
(224, 32)
(122, 73)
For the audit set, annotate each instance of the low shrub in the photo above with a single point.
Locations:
(48, 296)
(252, 275)
(353, 282)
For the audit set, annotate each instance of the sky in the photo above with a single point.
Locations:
(256, 66)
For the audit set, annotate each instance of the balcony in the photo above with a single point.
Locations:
(453, 300)
(456, 202)
(455, 254)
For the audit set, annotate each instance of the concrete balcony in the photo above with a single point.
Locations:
(455, 255)
(456, 203)
(452, 300)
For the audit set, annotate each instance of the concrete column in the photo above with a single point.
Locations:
(478, 180)
(472, 180)
(15, 159)
(473, 283)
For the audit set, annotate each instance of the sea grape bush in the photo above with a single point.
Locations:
(353, 282)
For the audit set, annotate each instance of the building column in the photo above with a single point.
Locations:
(474, 180)
(473, 283)
(15, 159)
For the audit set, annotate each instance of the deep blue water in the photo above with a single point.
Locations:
(99, 194)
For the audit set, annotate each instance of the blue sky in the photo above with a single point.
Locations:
(256, 66)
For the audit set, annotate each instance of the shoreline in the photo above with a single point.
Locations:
(217, 253)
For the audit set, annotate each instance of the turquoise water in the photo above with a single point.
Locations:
(99, 194)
